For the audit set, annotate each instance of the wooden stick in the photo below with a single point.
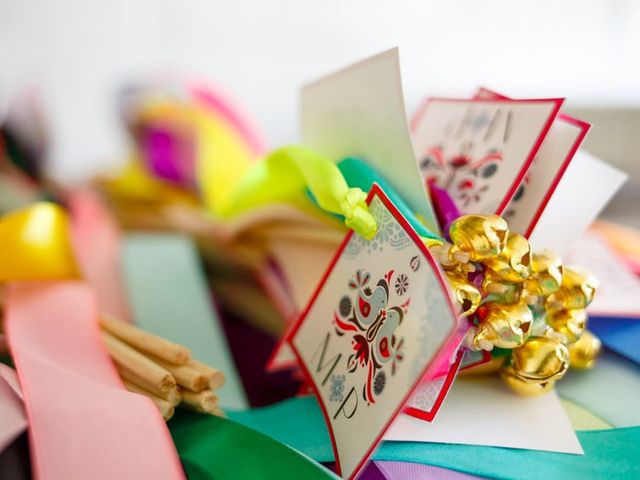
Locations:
(166, 409)
(216, 377)
(186, 376)
(146, 342)
(173, 395)
(133, 361)
(205, 401)
(217, 411)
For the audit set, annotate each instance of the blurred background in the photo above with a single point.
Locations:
(75, 55)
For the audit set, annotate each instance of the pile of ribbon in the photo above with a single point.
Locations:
(208, 240)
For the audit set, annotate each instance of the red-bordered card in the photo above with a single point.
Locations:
(565, 136)
(431, 393)
(479, 150)
(380, 321)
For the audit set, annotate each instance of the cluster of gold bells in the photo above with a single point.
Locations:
(528, 303)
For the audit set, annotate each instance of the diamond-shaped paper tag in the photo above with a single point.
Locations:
(380, 319)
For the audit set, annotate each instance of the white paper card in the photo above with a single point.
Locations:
(360, 112)
(479, 150)
(550, 163)
(584, 190)
(485, 412)
(617, 295)
(380, 318)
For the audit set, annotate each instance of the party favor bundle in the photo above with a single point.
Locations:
(386, 257)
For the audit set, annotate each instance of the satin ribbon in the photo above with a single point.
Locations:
(35, 244)
(360, 174)
(96, 242)
(13, 420)
(610, 390)
(222, 157)
(214, 100)
(220, 449)
(285, 174)
(609, 453)
(83, 423)
(417, 471)
(170, 297)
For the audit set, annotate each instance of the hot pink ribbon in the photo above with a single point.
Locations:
(83, 423)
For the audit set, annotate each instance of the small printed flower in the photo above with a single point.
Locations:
(337, 388)
(379, 382)
(402, 284)
(359, 280)
(345, 306)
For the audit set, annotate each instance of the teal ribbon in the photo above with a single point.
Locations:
(360, 174)
(298, 423)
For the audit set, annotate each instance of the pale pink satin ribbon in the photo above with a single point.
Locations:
(13, 420)
(83, 423)
(96, 244)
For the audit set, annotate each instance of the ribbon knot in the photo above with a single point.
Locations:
(353, 207)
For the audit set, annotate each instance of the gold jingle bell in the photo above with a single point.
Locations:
(546, 274)
(499, 290)
(577, 290)
(534, 367)
(479, 236)
(502, 325)
(465, 292)
(570, 323)
(512, 263)
(585, 351)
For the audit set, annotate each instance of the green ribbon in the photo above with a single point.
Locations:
(298, 423)
(284, 174)
(360, 174)
(217, 448)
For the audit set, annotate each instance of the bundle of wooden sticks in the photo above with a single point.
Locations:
(162, 370)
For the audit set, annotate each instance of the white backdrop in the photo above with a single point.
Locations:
(78, 53)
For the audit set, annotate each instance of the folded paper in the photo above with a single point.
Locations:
(480, 150)
(359, 112)
(392, 318)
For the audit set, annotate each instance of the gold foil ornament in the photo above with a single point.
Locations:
(512, 263)
(584, 352)
(536, 366)
(546, 274)
(577, 290)
(570, 323)
(465, 292)
(479, 236)
(502, 326)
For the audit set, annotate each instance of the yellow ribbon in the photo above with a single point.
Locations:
(35, 244)
(222, 156)
(283, 176)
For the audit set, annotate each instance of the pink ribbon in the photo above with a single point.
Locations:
(13, 420)
(83, 423)
(96, 245)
